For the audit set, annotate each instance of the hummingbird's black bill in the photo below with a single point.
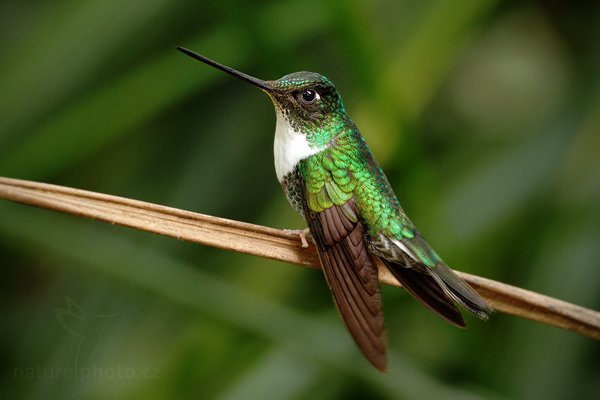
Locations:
(250, 79)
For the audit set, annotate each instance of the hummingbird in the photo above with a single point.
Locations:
(331, 178)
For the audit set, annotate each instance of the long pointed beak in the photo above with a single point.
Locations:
(250, 79)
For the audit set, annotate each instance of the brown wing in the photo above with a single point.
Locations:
(352, 277)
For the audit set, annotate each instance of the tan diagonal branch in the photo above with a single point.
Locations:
(273, 244)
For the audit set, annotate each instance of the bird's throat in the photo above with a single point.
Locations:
(290, 147)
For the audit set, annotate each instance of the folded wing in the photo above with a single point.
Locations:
(352, 276)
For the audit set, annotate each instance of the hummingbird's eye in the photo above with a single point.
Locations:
(308, 96)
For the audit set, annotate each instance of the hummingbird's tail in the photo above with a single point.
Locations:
(460, 291)
(439, 289)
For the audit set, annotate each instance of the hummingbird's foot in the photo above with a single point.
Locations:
(303, 233)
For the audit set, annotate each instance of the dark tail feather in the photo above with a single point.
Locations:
(429, 293)
(460, 291)
(439, 289)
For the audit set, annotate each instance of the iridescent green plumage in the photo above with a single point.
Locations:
(330, 176)
(346, 170)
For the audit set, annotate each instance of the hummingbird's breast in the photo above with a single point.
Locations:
(292, 187)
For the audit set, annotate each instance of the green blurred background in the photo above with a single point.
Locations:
(484, 114)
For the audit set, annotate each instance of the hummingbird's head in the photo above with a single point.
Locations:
(306, 102)
(309, 102)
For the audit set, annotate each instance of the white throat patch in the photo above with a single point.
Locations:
(290, 147)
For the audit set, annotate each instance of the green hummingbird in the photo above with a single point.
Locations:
(331, 178)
